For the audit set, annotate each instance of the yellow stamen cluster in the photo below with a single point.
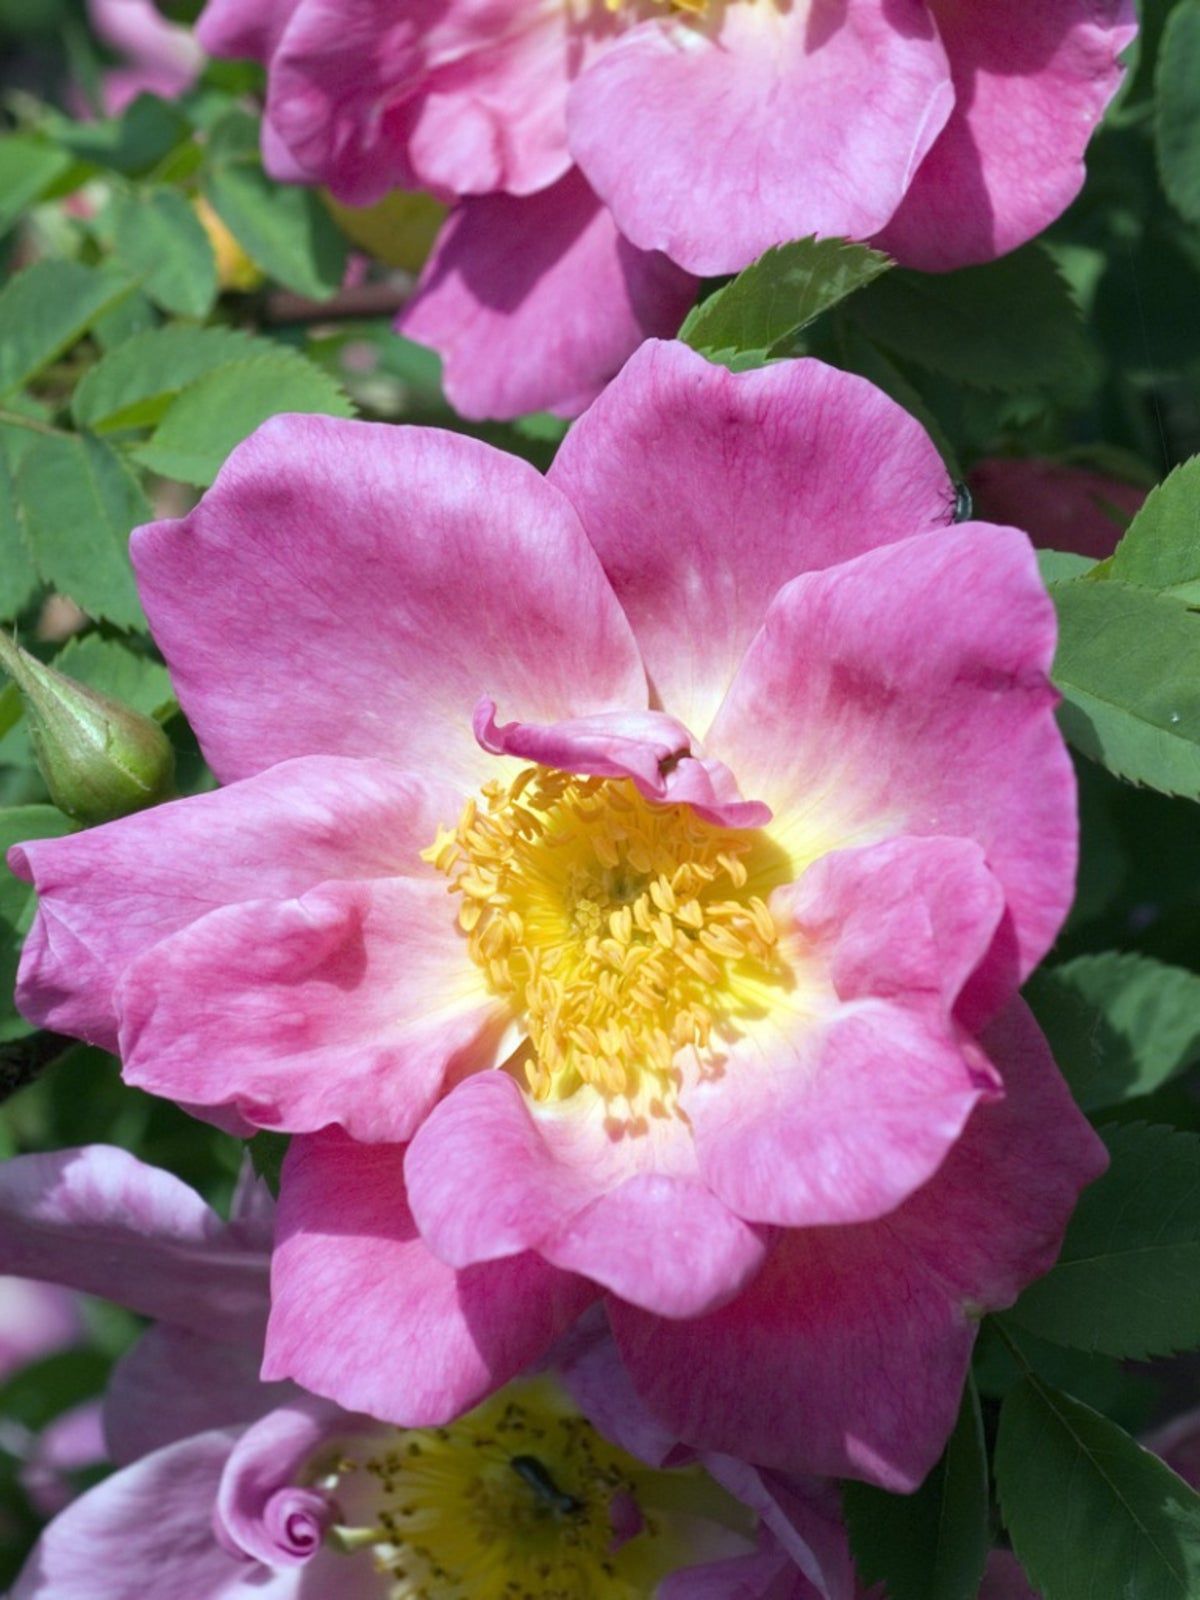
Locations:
(621, 932)
(520, 1500)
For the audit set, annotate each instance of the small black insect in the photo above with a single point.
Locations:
(532, 1472)
(964, 506)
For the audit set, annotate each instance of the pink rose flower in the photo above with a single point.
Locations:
(605, 152)
(622, 884)
(229, 1487)
(1061, 507)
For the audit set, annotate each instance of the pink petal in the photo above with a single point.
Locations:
(1060, 507)
(347, 1006)
(859, 1337)
(712, 144)
(99, 1220)
(362, 1312)
(461, 98)
(1030, 87)
(704, 491)
(649, 747)
(173, 1383)
(586, 1200)
(108, 895)
(907, 691)
(535, 302)
(1005, 1579)
(375, 581)
(836, 1114)
(250, 28)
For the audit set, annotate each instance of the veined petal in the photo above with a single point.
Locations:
(369, 572)
(745, 480)
(712, 143)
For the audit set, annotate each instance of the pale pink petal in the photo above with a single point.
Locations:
(99, 1220)
(147, 1529)
(263, 1509)
(173, 1383)
(350, 1271)
(137, 30)
(535, 302)
(704, 491)
(859, 1337)
(347, 1006)
(711, 144)
(587, 1362)
(72, 1443)
(375, 581)
(908, 691)
(36, 1319)
(767, 1574)
(1030, 87)
(1060, 507)
(588, 1198)
(109, 894)
(649, 747)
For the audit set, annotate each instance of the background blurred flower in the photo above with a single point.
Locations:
(602, 152)
(1060, 506)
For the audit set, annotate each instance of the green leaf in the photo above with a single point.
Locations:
(79, 503)
(1057, 566)
(1125, 1283)
(27, 169)
(18, 578)
(931, 1545)
(224, 407)
(135, 383)
(1011, 325)
(159, 238)
(134, 143)
(45, 310)
(17, 824)
(1177, 108)
(1161, 547)
(1128, 666)
(266, 1151)
(284, 230)
(1091, 1514)
(769, 303)
(1119, 1025)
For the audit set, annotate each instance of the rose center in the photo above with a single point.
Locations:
(522, 1500)
(621, 932)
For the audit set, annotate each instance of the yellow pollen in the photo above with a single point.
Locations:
(619, 931)
(521, 1500)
